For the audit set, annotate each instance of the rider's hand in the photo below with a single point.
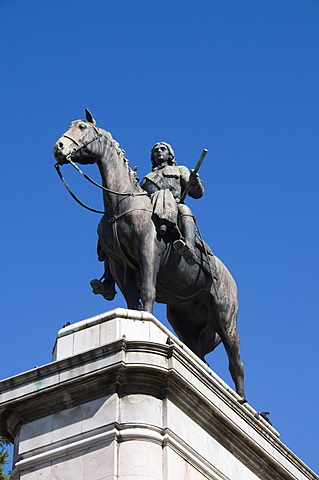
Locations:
(194, 178)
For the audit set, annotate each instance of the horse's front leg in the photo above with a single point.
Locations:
(126, 280)
(149, 261)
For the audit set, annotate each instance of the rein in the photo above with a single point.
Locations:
(126, 194)
(57, 168)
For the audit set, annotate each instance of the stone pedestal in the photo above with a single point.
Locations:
(119, 402)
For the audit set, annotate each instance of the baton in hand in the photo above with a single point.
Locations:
(188, 185)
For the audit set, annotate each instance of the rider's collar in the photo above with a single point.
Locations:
(159, 167)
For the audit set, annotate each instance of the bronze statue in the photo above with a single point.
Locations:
(137, 241)
(174, 220)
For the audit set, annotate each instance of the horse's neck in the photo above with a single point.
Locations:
(116, 176)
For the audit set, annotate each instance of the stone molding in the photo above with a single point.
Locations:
(127, 367)
(125, 433)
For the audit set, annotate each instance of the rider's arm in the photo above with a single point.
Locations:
(196, 189)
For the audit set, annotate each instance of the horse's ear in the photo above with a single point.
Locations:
(89, 116)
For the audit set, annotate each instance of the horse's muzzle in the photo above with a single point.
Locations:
(60, 158)
(61, 153)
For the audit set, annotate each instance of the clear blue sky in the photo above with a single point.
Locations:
(238, 77)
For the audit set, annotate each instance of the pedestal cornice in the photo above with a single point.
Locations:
(169, 373)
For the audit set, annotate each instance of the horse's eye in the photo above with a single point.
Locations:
(82, 126)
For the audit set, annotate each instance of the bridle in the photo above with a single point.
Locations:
(69, 157)
(84, 144)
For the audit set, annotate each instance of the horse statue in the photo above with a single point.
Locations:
(201, 299)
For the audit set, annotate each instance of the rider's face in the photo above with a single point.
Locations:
(160, 154)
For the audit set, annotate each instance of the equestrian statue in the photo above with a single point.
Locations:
(148, 241)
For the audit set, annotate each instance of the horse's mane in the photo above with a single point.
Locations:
(121, 152)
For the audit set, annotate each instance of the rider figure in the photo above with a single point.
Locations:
(165, 185)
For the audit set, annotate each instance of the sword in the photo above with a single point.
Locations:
(188, 185)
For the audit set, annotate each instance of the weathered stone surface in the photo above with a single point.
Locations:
(135, 407)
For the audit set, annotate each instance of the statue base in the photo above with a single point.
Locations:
(124, 399)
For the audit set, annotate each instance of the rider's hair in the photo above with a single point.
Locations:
(171, 157)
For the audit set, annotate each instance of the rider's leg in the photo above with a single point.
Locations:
(106, 288)
(186, 223)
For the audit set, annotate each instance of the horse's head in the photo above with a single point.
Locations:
(81, 142)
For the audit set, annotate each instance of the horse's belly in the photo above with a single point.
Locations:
(184, 282)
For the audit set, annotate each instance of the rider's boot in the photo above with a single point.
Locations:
(106, 285)
(105, 288)
(186, 246)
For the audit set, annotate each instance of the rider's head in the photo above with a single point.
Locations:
(170, 156)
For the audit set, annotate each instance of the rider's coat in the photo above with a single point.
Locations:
(165, 184)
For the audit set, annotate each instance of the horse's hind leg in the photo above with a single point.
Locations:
(226, 327)
(187, 325)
